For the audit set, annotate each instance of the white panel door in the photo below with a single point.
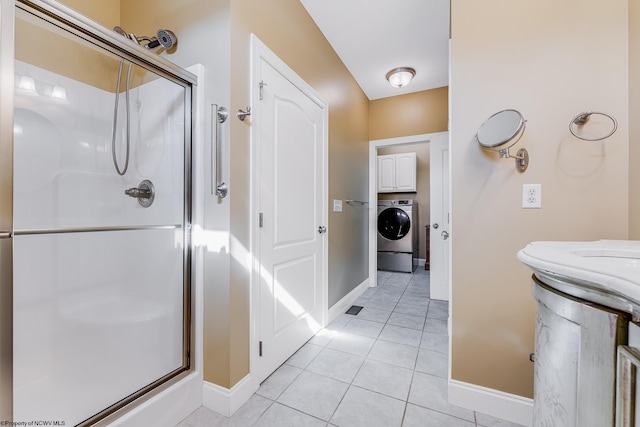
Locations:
(291, 245)
(439, 231)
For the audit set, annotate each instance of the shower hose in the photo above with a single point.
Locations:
(121, 172)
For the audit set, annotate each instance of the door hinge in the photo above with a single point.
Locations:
(260, 220)
(262, 84)
(260, 349)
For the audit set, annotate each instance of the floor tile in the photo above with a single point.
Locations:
(249, 413)
(438, 310)
(277, 382)
(282, 416)
(415, 310)
(383, 276)
(430, 392)
(394, 354)
(323, 337)
(314, 394)
(415, 300)
(399, 279)
(415, 416)
(336, 364)
(304, 356)
(436, 326)
(369, 292)
(352, 344)
(386, 379)
(435, 342)
(417, 292)
(374, 315)
(433, 363)
(363, 408)
(381, 304)
(339, 322)
(483, 420)
(422, 278)
(361, 301)
(407, 321)
(387, 295)
(401, 335)
(203, 417)
(397, 370)
(363, 327)
(421, 271)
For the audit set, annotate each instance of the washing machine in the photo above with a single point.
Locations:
(397, 235)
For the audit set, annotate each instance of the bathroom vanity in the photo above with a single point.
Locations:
(587, 343)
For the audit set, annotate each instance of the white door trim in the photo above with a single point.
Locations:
(259, 51)
(373, 193)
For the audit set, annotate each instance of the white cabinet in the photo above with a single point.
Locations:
(397, 173)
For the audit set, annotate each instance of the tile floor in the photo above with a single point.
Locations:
(386, 366)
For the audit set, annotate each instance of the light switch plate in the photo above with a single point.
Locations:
(337, 205)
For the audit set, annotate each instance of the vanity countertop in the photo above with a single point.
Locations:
(606, 267)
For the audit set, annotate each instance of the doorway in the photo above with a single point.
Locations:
(439, 208)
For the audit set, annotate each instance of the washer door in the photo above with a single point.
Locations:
(393, 223)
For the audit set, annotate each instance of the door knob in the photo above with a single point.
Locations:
(322, 229)
(444, 235)
(435, 226)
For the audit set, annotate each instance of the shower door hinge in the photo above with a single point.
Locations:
(260, 220)
(262, 84)
(260, 349)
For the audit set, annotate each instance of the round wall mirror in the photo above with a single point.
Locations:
(499, 131)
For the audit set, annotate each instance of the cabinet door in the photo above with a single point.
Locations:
(406, 172)
(386, 173)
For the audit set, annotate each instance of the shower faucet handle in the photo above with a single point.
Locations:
(138, 193)
(145, 193)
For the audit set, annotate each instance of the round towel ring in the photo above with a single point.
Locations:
(583, 118)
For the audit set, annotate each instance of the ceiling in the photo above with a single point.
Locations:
(372, 37)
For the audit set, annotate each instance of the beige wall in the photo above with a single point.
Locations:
(302, 46)
(106, 12)
(57, 51)
(549, 60)
(405, 115)
(634, 124)
(410, 114)
(422, 195)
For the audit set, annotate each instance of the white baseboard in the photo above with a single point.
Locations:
(496, 403)
(227, 401)
(343, 305)
(167, 408)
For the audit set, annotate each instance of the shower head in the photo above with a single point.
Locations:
(165, 38)
(120, 31)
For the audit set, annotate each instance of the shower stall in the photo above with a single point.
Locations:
(95, 218)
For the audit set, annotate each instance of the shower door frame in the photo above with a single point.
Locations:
(79, 25)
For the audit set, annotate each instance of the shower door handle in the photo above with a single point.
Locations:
(218, 187)
(5, 235)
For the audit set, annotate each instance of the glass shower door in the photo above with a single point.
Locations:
(101, 266)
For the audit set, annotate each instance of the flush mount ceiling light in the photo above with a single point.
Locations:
(400, 77)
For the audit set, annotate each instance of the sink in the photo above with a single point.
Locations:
(607, 253)
(605, 271)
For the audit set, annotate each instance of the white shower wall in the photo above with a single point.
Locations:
(98, 315)
(64, 174)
